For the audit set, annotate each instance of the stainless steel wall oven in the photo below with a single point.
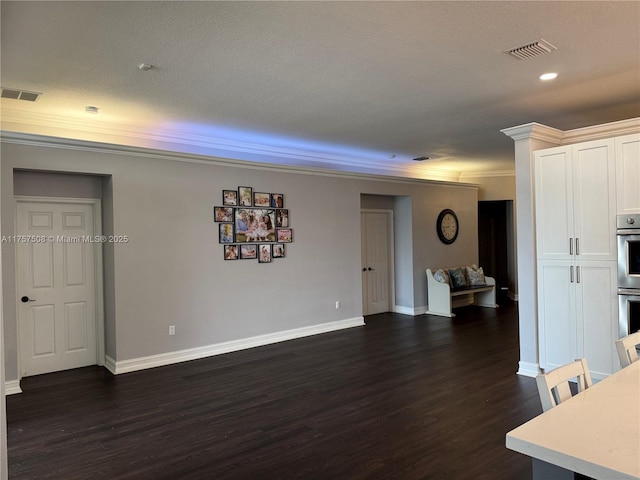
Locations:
(628, 234)
(629, 311)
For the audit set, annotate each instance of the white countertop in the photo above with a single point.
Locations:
(596, 433)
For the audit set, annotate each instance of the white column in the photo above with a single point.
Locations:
(528, 138)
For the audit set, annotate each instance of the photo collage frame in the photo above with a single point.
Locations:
(253, 225)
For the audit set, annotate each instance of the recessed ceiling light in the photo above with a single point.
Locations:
(91, 109)
(548, 76)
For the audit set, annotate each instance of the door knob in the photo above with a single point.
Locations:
(371, 269)
(364, 269)
(26, 299)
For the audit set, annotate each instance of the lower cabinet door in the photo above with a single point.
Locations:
(597, 316)
(557, 324)
(578, 314)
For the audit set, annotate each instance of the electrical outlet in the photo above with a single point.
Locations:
(338, 304)
(172, 329)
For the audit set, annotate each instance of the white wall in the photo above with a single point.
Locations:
(4, 473)
(47, 184)
(502, 187)
(172, 271)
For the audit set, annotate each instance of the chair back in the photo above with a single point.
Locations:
(553, 386)
(626, 348)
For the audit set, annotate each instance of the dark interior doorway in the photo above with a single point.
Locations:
(493, 244)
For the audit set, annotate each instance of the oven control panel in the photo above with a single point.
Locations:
(628, 221)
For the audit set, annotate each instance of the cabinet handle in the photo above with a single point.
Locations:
(571, 246)
(578, 274)
(577, 246)
(571, 269)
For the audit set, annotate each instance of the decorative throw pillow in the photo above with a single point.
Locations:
(457, 278)
(441, 276)
(475, 276)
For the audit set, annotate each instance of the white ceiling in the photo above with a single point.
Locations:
(360, 86)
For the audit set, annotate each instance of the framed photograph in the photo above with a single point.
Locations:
(277, 250)
(230, 252)
(230, 197)
(226, 232)
(284, 235)
(264, 255)
(245, 196)
(277, 200)
(260, 199)
(249, 251)
(282, 218)
(255, 225)
(223, 214)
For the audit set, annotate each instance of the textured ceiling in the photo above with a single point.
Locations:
(362, 86)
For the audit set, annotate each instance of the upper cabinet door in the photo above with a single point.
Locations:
(628, 174)
(554, 203)
(575, 202)
(594, 195)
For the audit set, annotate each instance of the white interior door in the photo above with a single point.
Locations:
(56, 270)
(376, 234)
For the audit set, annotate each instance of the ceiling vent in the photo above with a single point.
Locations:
(531, 50)
(19, 94)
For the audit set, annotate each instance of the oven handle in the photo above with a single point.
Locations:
(628, 231)
(629, 291)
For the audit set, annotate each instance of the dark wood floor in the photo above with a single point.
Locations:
(401, 398)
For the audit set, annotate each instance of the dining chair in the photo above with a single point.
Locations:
(626, 347)
(553, 386)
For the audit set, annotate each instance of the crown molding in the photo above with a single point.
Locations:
(46, 141)
(559, 137)
(485, 173)
(536, 131)
(136, 136)
(606, 130)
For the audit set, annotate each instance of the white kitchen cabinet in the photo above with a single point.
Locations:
(627, 151)
(557, 324)
(576, 202)
(576, 252)
(597, 316)
(577, 314)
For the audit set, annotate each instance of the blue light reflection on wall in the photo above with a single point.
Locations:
(206, 138)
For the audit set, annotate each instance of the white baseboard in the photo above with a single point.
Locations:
(440, 314)
(11, 387)
(134, 364)
(527, 369)
(110, 364)
(598, 376)
(409, 310)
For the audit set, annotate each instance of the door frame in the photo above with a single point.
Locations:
(391, 272)
(97, 251)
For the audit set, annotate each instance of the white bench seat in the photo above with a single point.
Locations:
(441, 295)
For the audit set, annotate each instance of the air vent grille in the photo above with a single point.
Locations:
(19, 94)
(531, 50)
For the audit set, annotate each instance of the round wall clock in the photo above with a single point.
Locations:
(447, 226)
